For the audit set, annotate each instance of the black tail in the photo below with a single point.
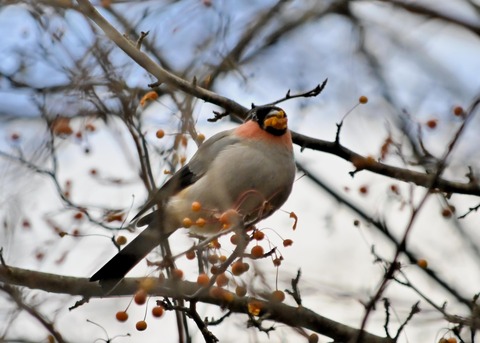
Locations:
(115, 269)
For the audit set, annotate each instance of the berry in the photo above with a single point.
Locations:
(216, 244)
(363, 190)
(190, 254)
(121, 316)
(177, 274)
(157, 311)
(258, 235)
(432, 123)
(446, 213)
(422, 263)
(222, 280)
(277, 296)
(187, 222)
(458, 111)
(287, 242)
(216, 292)
(313, 338)
(141, 325)
(160, 134)
(238, 268)
(78, 215)
(121, 240)
(196, 206)
(363, 99)
(241, 291)
(140, 297)
(213, 258)
(200, 222)
(277, 262)
(203, 280)
(234, 239)
(257, 251)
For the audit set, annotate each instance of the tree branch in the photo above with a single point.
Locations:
(289, 315)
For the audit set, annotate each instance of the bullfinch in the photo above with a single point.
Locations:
(249, 169)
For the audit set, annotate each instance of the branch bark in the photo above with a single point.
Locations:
(278, 312)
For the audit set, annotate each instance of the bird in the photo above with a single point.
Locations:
(249, 169)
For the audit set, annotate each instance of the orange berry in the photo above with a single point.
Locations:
(200, 222)
(394, 189)
(140, 297)
(432, 123)
(222, 280)
(277, 296)
(177, 274)
(447, 213)
(277, 262)
(78, 215)
(196, 206)
(213, 258)
(228, 216)
(121, 240)
(246, 266)
(363, 190)
(190, 254)
(200, 138)
(452, 340)
(257, 251)
(228, 296)
(238, 268)
(313, 338)
(187, 222)
(422, 263)
(160, 134)
(363, 99)
(258, 235)
(121, 316)
(141, 325)
(14, 136)
(222, 258)
(157, 311)
(203, 280)
(214, 270)
(287, 242)
(241, 291)
(458, 111)
(234, 239)
(216, 292)
(216, 244)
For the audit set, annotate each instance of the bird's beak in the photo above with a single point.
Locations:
(277, 120)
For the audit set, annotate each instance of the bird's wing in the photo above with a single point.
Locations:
(189, 173)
